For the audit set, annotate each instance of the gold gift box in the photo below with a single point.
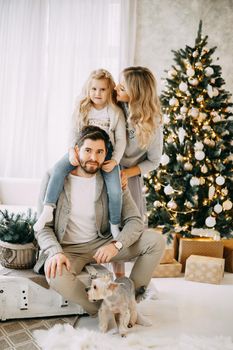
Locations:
(228, 254)
(168, 256)
(168, 270)
(198, 246)
(204, 269)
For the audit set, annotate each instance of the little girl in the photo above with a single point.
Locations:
(97, 107)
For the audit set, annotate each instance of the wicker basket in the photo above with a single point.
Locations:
(17, 256)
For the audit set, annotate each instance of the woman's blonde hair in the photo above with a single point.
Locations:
(84, 103)
(144, 105)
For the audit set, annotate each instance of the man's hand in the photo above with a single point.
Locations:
(55, 265)
(105, 254)
(109, 165)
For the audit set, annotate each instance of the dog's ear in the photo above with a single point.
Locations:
(112, 286)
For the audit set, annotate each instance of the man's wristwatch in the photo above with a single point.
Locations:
(118, 245)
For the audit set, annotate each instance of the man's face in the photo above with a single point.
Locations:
(91, 155)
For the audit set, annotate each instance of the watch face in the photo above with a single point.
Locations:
(118, 245)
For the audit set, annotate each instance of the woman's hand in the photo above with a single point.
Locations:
(124, 180)
(109, 165)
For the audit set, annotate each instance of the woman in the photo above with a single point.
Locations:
(137, 93)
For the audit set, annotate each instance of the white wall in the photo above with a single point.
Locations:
(163, 25)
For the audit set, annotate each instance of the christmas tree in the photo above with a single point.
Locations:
(192, 190)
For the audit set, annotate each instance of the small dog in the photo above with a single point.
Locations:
(118, 299)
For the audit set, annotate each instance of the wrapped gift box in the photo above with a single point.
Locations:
(204, 269)
(228, 254)
(168, 256)
(198, 246)
(168, 270)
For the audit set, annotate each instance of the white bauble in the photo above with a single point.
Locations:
(179, 117)
(202, 116)
(188, 166)
(194, 112)
(220, 180)
(227, 205)
(183, 87)
(204, 169)
(171, 204)
(190, 72)
(179, 158)
(218, 208)
(168, 190)
(198, 64)
(199, 155)
(210, 221)
(166, 119)
(209, 71)
(215, 92)
(217, 119)
(171, 73)
(195, 53)
(202, 180)
(212, 80)
(224, 191)
(198, 146)
(170, 139)
(211, 192)
(200, 98)
(193, 81)
(183, 109)
(194, 181)
(173, 102)
(164, 159)
(157, 204)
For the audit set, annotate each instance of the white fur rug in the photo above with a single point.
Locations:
(65, 337)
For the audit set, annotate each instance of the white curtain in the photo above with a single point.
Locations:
(47, 50)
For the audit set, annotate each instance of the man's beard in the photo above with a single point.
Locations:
(89, 167)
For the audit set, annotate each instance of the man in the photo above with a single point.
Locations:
(80, 233)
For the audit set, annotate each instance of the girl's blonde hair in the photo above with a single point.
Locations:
(144, 105)
(84, 103)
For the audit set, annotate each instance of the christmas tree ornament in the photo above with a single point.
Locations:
(215, 92)
(173, 102)
(179, 158)
(190, 72)
(166, 119)
(218, 208)
(194, 181)
(210, 91)
(172, 205)
(202, 180)
(157, 186)
(198, 65)
(210, 221)
(217, 119)
(183, 109)
(212, 80)
(211, 192)
(188, 204)
(200, 98)
(193, 81)
(157, 204)
(208, 71)
(183, 87)
(198, 146)
(220, 180)
(168, 190)
(164, 159)
(199, 155)
(204, 169)
(195, 54)
(181, 135)
(194, 112)
(188, 166)
(171, 73)
(227, 205)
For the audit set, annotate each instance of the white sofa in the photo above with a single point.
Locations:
(19, 194)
